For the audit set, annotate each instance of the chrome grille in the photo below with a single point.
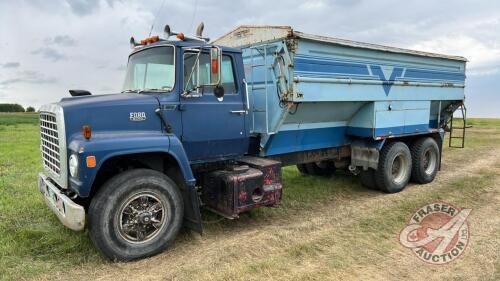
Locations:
(49, 136)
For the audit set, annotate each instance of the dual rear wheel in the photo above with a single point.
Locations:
(398, 164)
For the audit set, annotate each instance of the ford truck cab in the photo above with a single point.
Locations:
(126, 164)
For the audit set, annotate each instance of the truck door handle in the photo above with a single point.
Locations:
(241, 112)
(246, 94)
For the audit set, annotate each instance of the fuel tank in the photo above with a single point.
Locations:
(252, 183)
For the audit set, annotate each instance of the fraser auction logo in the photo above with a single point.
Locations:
(437, 233)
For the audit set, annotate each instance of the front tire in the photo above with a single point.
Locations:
(394, 167)
(425, 155)
(136, 214)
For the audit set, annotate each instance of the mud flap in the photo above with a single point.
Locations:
(440, 141)
(365, 153)
(192, 215)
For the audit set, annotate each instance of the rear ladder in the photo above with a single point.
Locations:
(264, 65)
(280, 75)
(460, 135)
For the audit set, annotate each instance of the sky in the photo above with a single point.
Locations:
(49, 47)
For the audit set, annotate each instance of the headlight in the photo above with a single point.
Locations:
(73, 165)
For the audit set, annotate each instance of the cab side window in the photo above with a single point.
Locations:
(200, 74)
(228, 75)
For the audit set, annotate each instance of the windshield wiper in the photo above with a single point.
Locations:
(156, 90)
(149, 90)
(128, 91)
(188, 92)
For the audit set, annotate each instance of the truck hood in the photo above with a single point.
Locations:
(108, 113)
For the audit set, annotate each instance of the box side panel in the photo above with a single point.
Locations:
(392, 118)
(329, 72)
(341, 92)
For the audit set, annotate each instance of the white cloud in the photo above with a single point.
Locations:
(85, 43)
(481, 56)
(312, 5)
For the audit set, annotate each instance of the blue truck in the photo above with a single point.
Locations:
(204, 124)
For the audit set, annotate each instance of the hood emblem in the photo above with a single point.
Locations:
(137, 116)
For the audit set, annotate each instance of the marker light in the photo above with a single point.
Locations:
(150, 40)
(90, 160)
(86, 132)
(214, 65)
(154, 39)
(180, 36)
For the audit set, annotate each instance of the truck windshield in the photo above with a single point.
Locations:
(151, 70)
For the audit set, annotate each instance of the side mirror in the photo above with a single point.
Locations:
(219, 91)
(215, 65)
(211, 77)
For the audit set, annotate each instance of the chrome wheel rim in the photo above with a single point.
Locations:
(429, 161)
(399, 170)
(142, 217)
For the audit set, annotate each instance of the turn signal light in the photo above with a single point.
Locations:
(86, 132)
(90, 161)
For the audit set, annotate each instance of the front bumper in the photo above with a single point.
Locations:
(69, 213)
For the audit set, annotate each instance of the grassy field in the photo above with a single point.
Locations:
(326, 228)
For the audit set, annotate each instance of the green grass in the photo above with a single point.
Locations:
(33, 242)
(18, 118)
(484, 122)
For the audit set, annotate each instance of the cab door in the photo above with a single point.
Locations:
(212, 128)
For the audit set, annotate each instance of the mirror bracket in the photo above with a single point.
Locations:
(189, 95)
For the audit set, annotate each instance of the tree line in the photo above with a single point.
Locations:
(14, 107)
